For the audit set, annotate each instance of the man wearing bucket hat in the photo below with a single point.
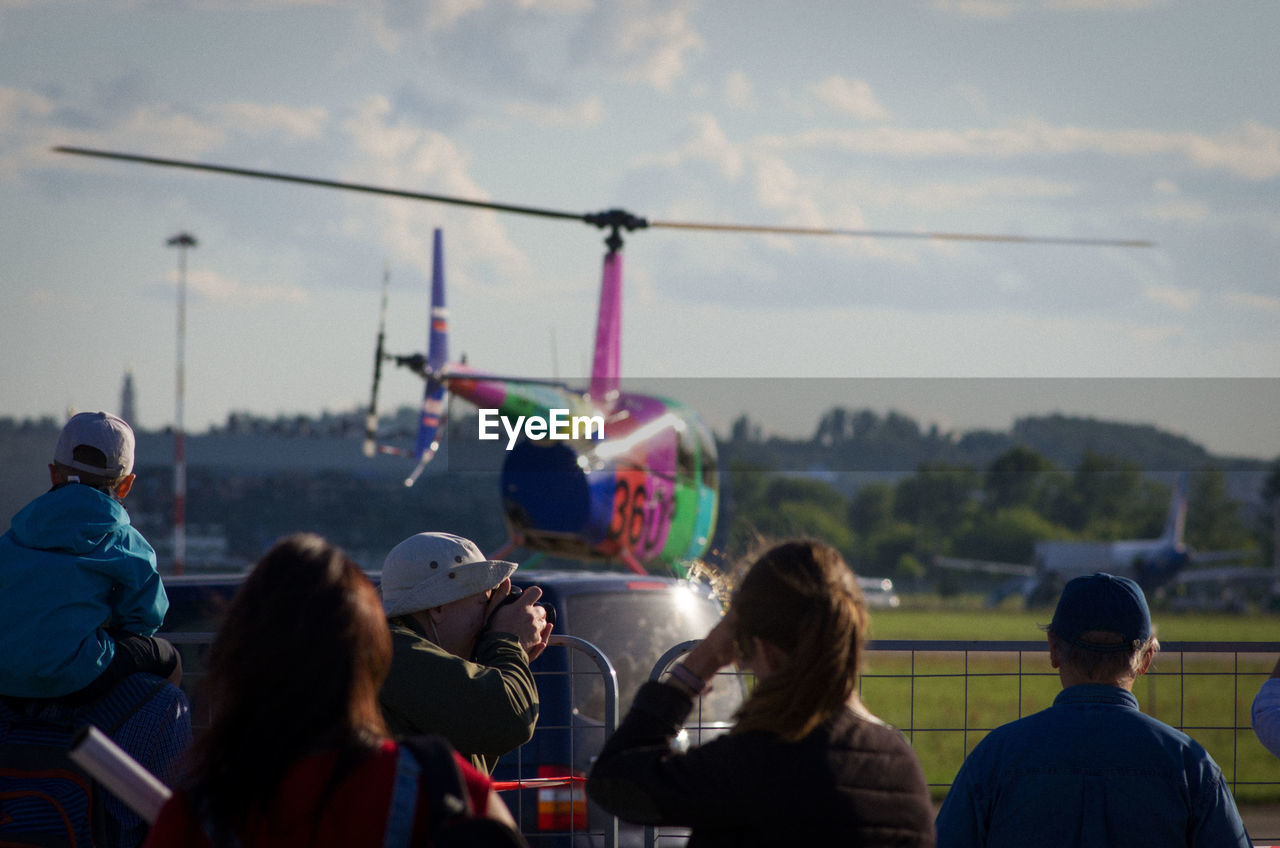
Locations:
(80, 596)
(460, 663)
(1092, 770)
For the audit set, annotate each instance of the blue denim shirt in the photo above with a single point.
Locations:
(1092, 770)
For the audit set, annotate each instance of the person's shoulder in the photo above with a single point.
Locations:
(412, 657)
(141, 702)
(858, 727)
(403, 631)
(406, 640)
(1169, 736)
(1269, 691)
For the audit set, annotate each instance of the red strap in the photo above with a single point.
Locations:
(537, 782)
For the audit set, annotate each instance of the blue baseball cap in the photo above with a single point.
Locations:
(1102, 602)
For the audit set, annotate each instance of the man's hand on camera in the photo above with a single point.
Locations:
(524, 618)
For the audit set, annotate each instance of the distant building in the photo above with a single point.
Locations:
(128, 406)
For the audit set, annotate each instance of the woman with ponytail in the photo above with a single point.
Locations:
(805, 762)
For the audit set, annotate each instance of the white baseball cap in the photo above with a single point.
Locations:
(431, 569)
(101, 431)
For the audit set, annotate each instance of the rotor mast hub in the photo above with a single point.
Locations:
(616, 220)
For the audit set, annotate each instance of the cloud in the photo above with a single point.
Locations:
(41, 298)
(1251, 151)
(215, 288)
(154, 127)
(979, 8)
(1177, 210)
(582, 114)
(259, 119)
(1253, 301)
(739, 93)
(1009, 8)
(1182, 300)
(24, 117)
(391, 153)
(1154, 334)
(779, 189)
(975, 97)
(849, 97)
(939, 195)
(1101, 5)
(642, 41)
(707, 144)
(392, 22)
(18, 105)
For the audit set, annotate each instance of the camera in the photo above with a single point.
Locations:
(513, 596)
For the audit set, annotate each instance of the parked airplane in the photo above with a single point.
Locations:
(1151, 562)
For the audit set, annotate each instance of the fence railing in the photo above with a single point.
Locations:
(945, 696)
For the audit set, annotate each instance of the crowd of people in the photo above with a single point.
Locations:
(348, 714)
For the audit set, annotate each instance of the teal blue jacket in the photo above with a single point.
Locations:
(71, 566)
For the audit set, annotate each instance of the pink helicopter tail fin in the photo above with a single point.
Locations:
(605, 366)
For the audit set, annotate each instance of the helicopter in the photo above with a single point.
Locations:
(642, 488)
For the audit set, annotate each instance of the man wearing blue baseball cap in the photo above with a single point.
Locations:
(1092, 770)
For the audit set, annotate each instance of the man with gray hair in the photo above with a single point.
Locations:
(460, 652)
(1092, 770)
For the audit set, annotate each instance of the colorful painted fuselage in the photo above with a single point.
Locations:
(645, 494)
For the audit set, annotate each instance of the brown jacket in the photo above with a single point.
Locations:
(484, 708)
(853, 781)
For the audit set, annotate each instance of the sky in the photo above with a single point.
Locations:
(1082, 119)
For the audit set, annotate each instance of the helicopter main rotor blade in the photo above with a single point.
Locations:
(316, 181)
(614, 219)
(897, 234)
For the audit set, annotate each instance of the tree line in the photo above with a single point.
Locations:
(995, 506)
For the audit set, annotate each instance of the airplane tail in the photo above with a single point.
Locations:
(1176, 522)
(432, 414)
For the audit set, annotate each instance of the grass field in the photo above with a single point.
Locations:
(947, 701)
(935, 620)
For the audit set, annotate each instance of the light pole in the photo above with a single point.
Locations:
(182, 241)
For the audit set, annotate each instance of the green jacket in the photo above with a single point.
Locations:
(484, 708)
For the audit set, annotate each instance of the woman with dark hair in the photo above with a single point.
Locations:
(805, 762)
(297, 753)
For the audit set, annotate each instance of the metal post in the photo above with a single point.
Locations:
(182, 241)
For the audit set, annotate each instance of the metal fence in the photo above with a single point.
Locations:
(944, 695)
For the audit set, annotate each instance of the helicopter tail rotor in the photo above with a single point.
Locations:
(371, 418)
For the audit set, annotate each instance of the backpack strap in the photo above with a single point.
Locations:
(206, 825)
(142, 700)
(447, 797)
(453, 821)
(404, 800)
